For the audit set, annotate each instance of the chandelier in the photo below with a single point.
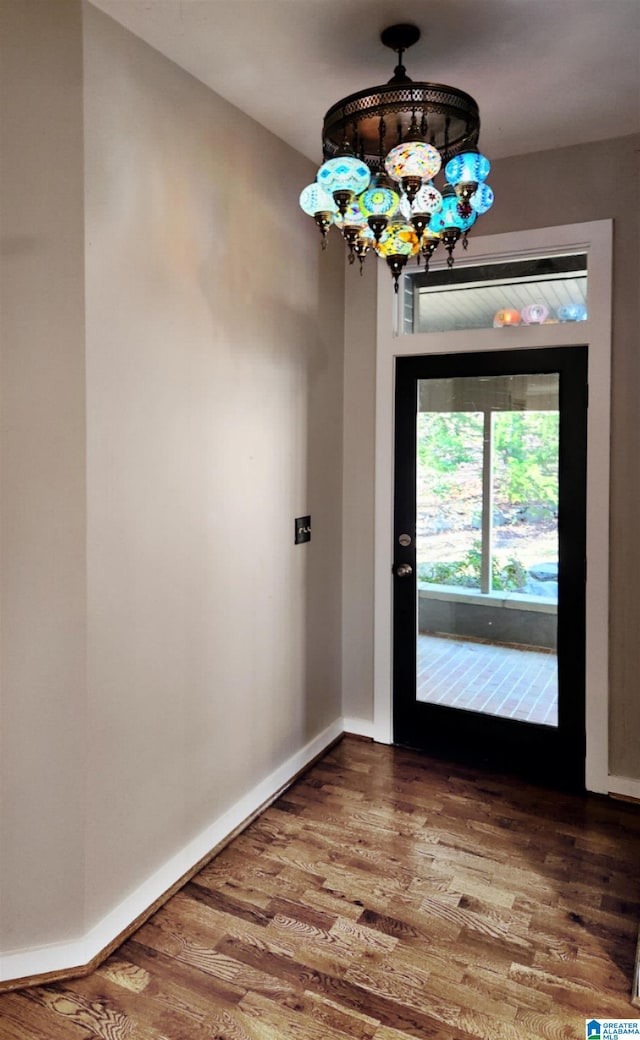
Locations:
(382, 147)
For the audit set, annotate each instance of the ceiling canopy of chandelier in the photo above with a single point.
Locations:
(382, 147)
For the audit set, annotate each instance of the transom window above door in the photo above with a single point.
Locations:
(543, 291)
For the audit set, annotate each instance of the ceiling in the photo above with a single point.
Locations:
(545, 73)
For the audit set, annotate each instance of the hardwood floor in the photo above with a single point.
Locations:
(384, 896)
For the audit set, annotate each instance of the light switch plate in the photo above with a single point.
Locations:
(302, 529)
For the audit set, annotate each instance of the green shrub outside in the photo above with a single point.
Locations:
(508, 577)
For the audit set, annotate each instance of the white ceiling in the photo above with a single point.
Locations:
(545, 73)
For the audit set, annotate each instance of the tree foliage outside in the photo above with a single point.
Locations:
(526, 458)
(525, 488)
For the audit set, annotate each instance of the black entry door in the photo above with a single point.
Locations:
(489, 559)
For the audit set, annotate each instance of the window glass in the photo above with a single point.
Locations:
(487, 484)
(546, 291)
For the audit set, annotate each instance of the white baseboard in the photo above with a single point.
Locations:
(359, 727)
(365, 728)
(624, 785)
(62, 957)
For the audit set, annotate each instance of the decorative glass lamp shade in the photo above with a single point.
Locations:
(466, 171)
(534, 314)
(428, 245)
(427, 200)
(482, 199)
(378, 203)
(448, 216)
(315, 199)
(411, 163)
(572, 312)
(398, 238)
(404, 208)
(397, 243)
(418, 213)
(450, 222)
(469, 166)
(343, 177)
(352, 215)
(506, 317)
(363, 244)
(351, 224)
(319, 204)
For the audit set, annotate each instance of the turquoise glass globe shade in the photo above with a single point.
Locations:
(482, 199)
(447, 216)
(344, 173)
(315, 199)
(467, 168)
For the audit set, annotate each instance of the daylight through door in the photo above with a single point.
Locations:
(487, 544)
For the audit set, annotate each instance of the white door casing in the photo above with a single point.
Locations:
(596, 240)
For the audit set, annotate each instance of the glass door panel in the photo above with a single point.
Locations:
(489, 536)
(487, 544)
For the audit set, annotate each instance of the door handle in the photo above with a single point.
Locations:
(403, 570)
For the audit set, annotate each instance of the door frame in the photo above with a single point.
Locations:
(596, 240)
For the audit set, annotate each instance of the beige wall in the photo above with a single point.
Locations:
(42, 654)
(358, 491)
(213, 354)
(214, 375)
(572, 185)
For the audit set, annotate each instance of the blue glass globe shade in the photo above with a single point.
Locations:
(344, 173)
(315, 199)
(468, 167)
(448, 216)
(482, 199)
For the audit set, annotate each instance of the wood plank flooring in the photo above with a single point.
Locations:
(385, 896)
